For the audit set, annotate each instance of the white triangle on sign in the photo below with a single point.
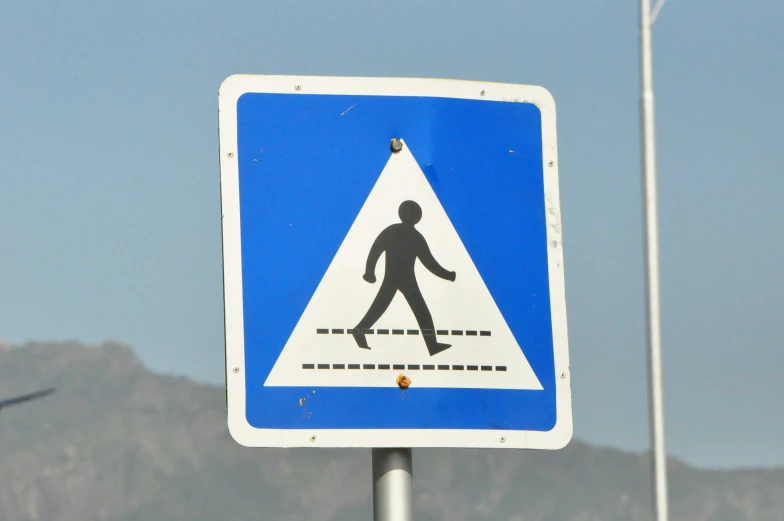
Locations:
(322, 352)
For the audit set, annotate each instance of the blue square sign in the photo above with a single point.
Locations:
(393, 264)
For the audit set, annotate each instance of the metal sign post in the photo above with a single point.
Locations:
(392, 485)
(652, 264)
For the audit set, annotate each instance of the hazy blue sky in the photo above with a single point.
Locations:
(109, 181)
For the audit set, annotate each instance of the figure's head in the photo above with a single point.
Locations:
(409, 212)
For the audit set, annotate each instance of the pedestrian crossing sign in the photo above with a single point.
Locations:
(393, 264)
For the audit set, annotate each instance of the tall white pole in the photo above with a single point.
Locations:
(652, 268)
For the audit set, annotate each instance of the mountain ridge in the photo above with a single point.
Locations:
(119, 442)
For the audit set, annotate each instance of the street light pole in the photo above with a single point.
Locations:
(652, 265)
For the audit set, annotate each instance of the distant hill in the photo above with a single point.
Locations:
(117, 442)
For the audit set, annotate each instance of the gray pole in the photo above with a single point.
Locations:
(652, 267)
(392, 485)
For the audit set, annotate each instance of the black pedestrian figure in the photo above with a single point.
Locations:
(403, 245)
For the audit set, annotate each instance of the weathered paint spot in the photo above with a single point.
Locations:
(553, 224)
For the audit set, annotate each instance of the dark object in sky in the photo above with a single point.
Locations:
(25, 398)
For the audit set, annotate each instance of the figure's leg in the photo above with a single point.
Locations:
(423, 317)
(380, 304)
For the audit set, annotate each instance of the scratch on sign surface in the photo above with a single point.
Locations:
(306, 413)
(345, 111)
(553, 223)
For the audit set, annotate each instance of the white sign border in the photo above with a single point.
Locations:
(245, 434)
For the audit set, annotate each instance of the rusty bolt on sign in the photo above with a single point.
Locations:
(403, 381)
(396, 145)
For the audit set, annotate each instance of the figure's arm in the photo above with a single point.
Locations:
(375, 252)
(429, 262)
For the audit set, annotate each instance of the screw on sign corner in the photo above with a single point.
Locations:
(403, 381)
(396, 145)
